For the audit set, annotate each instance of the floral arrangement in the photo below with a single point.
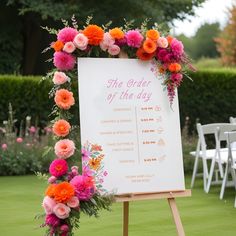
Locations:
(71, 191)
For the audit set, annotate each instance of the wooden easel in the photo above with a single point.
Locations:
(170, 196)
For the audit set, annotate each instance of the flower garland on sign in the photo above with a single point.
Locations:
(71, 192)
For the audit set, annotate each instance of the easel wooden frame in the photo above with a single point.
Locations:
(170, 196)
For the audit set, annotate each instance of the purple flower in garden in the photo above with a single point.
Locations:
(134, 38)
(4, 146)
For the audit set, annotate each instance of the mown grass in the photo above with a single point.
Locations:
(202, 214)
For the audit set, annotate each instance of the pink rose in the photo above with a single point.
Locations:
(48, 205)
(69, 47)
(52, 179)
(60, 78)
(4, 146)
(64, 148)
(114, 50)
(73, 202)
(81, 41)
(61, 211)
(162, 42)
(107, 41)
(19, 140)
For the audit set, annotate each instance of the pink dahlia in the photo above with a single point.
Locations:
(52, 220)
(177, 47)
(64, 148)
(134, 38)
(67, 34)
(58, 167)
(63, 61)
(84, 187)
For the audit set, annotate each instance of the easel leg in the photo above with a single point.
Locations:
(125, 218)
(176, 217)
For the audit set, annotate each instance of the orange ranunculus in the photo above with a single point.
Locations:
(61, 128)
(149, 46)
(152, 34)
(64, 99)
(169, 39)
(143, 55)
(116, 33)
(57, 46)
(63, 192)
(50, 190)
(94, 34)
(174, 67)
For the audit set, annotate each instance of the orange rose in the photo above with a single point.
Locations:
(174, 67)
(149, 46)
(57, 46)
(143, 55)
(94, 34)
(152, 34)
(63, 192)
(117, 33)
(61, 128)
(64, 99)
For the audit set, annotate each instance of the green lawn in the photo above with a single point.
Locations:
(202, 214)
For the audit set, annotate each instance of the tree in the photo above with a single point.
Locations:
(226, 42)
(34, 14)
(202, 44)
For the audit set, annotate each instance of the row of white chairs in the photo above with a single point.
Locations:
(222, 159)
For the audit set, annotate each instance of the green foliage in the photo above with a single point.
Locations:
(158, 10)
(203, 43)
(205, 63)
(11, 41)
(28, 97)
(210, 98)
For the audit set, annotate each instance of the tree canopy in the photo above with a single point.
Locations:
(35, 13)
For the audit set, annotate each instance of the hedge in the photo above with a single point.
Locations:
(210, 98)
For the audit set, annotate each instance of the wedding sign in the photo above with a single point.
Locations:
(128, 129)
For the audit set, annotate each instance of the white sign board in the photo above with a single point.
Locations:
(129, 126)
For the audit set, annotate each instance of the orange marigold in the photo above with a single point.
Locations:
(152, 34)
(57, 46)
(64, 99)
(63, 192)
(50, 190)
(94, 34)
(116, 33)
(174, 67)
(143, 55)
(169, 39)
(149, 46)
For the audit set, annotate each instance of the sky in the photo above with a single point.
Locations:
(211, 11)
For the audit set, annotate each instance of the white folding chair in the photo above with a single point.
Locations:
(202, 152)
(221, 156)
(230, 165)
(232, 120)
